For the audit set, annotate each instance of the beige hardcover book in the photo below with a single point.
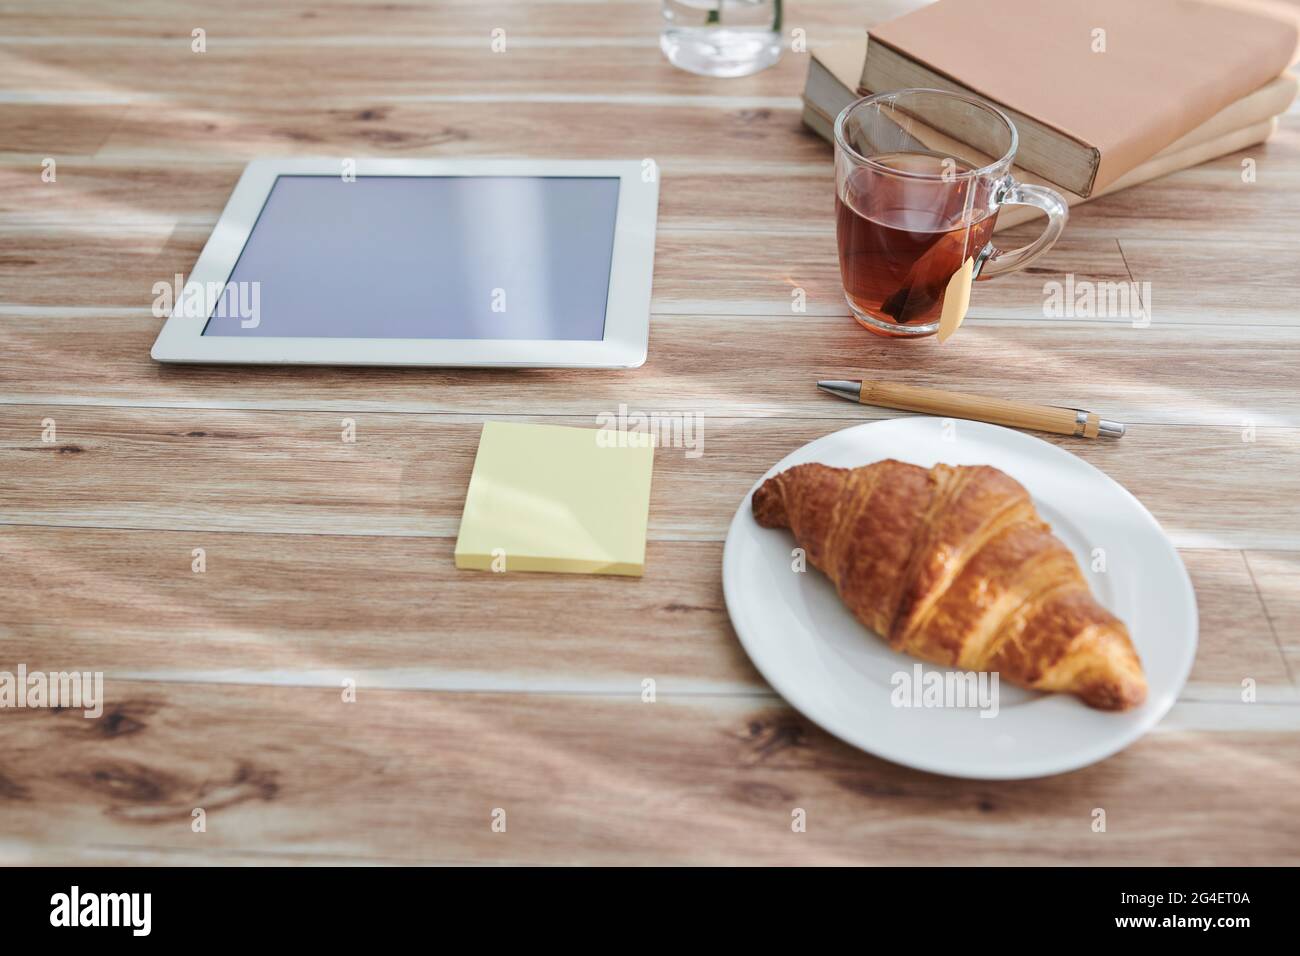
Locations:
(1095, 89)
(834, 72)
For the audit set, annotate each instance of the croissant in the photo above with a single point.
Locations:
(953, 565)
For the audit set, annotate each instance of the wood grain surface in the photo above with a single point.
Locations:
(327, 561)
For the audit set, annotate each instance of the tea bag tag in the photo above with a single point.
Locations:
(956, 299)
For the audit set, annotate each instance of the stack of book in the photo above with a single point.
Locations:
(1105, 95)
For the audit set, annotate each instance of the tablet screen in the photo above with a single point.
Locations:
(426, 257)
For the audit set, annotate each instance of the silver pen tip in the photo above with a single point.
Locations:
(1109, 429)
(850, 390)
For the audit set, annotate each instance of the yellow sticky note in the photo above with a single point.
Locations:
(956, 299)
(551, 498)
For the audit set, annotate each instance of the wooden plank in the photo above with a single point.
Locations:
(1213, 281)
(1208, 201)
(383, 610)
(1277, 575)
(1235, 640)
(237, 74)
(113, 194)
(225, 470)
(749, 272)
(109, 192)
(105, 268)
(55, 131)
(395, 612)
(602, 780)
(714, 365)
(306, 21)
(24, 852)
(711, 127)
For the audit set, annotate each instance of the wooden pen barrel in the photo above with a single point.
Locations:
(999, 411)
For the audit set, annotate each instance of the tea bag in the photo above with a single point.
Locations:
(927, 280)
(956, 299)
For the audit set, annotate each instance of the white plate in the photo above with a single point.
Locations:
(839, 674)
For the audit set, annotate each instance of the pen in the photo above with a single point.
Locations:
(996, 411)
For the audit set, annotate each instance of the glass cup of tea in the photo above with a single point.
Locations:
(919, 178)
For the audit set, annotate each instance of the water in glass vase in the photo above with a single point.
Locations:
(721, 37)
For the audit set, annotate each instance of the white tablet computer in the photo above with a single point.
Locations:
(436, 262)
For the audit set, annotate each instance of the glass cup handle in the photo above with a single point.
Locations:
(993, 261)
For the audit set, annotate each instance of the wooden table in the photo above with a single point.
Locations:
(327, 561)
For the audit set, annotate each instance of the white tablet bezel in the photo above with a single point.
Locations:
(627, 308)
